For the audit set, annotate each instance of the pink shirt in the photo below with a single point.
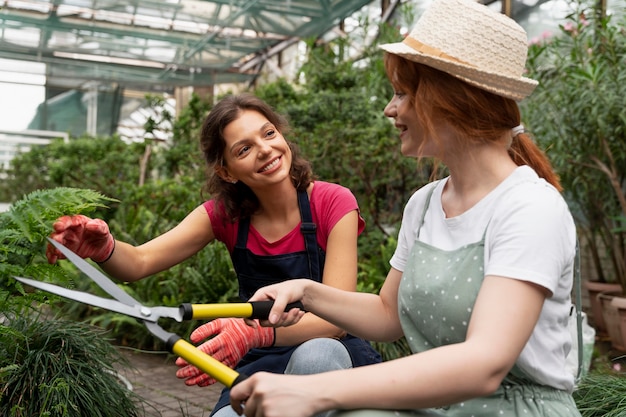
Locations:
(329, 204)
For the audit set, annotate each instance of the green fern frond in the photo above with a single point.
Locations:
(25, 226)
(34, 213)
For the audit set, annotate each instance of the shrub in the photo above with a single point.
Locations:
(57, 368)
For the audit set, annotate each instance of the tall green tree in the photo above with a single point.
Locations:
(577, 113)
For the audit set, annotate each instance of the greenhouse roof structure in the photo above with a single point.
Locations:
(160, 44)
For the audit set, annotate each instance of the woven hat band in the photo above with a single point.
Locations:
(429, 50)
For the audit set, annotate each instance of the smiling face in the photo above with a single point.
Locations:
(256, 153)
(413, 137)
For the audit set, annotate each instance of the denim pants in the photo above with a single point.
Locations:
(311, 357)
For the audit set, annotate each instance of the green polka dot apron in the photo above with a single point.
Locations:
(435, 301)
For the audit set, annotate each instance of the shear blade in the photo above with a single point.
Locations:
(137, 310)
(98, 277)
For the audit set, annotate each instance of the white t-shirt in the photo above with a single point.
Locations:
(530, 236)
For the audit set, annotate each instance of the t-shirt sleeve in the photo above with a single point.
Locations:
(329, 204)
(533, 239)
(224, 230)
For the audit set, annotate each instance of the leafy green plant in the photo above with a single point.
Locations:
(23, 231)
(57, 368)
(577, 113)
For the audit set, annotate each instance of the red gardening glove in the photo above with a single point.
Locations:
(234, 338)
(88, 238)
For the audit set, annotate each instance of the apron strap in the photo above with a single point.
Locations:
(309, 231)
(242, 232)
(578, 310)
(426, 204)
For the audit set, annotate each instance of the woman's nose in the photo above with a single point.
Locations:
(390, 109)
(264, 149)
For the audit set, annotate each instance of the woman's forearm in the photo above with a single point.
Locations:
(361, 314)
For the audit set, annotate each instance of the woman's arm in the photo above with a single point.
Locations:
(371, 316)
(131, 263)
(503, 319)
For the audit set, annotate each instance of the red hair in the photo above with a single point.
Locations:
(471, 112)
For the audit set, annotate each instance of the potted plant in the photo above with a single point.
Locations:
(578, 115)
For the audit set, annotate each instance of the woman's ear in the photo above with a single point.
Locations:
(222, 172)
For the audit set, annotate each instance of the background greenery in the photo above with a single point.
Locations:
(336, 119)
(578, 115)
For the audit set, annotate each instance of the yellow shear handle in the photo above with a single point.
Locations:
(206, 363)
(211, 311)
(253, 310)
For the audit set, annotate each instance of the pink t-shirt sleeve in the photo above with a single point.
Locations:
(223, 229)
(329, 204)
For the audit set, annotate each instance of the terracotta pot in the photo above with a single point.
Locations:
(594, 289)
(614, 314)
(618, 304)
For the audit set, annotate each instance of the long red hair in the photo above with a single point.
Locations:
(472, 112)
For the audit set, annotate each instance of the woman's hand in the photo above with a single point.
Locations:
(230, 340)
(88, 238)
(282, 294)
(265, 394)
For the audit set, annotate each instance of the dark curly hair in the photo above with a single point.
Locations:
(237, 200)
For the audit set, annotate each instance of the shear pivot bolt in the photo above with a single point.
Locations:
(145, 311)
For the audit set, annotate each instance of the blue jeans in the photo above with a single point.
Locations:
(311, 357)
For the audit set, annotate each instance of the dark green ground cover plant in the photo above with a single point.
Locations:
(601, 392)
(60, 368)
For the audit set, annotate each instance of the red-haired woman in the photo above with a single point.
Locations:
(480, 281)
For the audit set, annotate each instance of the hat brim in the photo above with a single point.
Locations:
(514, 88)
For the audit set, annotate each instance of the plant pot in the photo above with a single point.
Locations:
(594, 289)
(614, 314)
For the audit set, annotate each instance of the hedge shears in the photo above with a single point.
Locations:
(125, 304)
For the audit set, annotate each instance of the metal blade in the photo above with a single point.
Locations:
(98, 277)
(137, 311)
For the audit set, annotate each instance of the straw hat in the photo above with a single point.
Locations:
(473, 43)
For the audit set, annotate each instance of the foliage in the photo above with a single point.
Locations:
(104, 164)
(23, 231)
(578, 115)
(143, 212)
(184, 157)
(58, 368)
(601, 394)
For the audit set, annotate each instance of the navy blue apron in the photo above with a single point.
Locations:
(256, 271)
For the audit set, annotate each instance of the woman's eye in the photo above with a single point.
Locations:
(398, 94)
(270, 133)
(243, 150)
